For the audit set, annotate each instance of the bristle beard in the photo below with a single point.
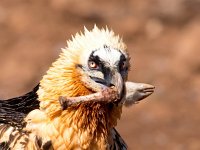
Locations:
(92, 122)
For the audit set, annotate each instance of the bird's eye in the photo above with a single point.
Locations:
(92, 65)
(123, 66)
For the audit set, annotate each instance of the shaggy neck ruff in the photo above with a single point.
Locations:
(85, 126)
(89, 123)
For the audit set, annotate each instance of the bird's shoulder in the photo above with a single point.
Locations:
(14, 110)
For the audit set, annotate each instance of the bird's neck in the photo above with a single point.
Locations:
(89, 125)
(86, 126)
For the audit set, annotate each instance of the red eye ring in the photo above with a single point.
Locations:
(92, 65)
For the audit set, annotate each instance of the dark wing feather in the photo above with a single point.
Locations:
(14, 110)
(12, 117)
(12, 114)
(4, 146)
(23, 104)
(118, 142)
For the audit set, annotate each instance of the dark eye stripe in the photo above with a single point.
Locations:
(122, 58)
(96, 59)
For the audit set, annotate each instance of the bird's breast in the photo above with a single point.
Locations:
(86, 126)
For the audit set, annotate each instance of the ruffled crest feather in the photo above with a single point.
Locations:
(96, 38)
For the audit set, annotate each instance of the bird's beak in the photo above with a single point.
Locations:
(112, 78)
(117, 82)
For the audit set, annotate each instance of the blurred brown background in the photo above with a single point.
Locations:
(163, 38)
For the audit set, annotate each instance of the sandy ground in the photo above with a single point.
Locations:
(163, 40)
